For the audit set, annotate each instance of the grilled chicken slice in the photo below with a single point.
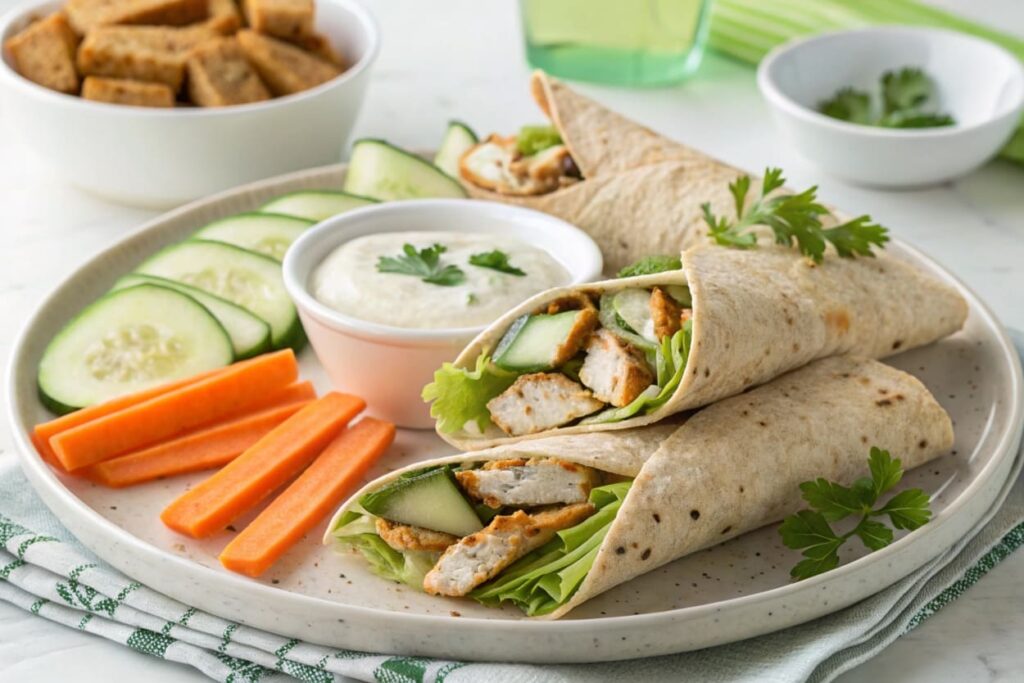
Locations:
(586, 323)
(496, 164)
(666, 313)
(405, 537)
(480, 557)
(615, 371)
(528, 483)
(540, 401)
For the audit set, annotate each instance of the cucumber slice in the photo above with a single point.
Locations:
(383, 171)
(266, 233)
(634, 307)
(458, 139)
(431, 500)
(250, 336)
(681, 293)
(612, 321)
(533, 341)
(129, 340)
(316, 205)
(250, 280)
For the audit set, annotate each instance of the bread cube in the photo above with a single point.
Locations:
(123, 91)
(288, 19)
(285, 69)
(224, 16)
(45, 54)
(219, 75)
(142, 53)
(88, 14)
(319, 45)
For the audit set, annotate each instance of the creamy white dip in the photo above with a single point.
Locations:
(348, 281)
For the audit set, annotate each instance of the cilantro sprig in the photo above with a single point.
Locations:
(905, 98)
(810, 531)
(495, 260)
(793, 218)
(650, 265)
(424, 264)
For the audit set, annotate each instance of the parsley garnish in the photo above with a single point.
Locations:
(424, 264)
(809, 530)
(495, 260)
(651, 265)
(905, 96)
(793, 218)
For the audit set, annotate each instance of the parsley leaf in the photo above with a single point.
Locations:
(651, 265)
(848, 105)
(495, 260)
(907, 88)
(809, 530)
(424, 264)
(793, 218)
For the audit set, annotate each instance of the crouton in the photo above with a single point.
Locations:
(528, 483)
(666, 313)
(540, 401)
(480, 557)
(219, 75)
(288, 19)
(44, 53)
(319, 45)
(613, 370)
(285, 68)
(224, 17)
(86, 15)
(405, 537)
(122, 91)
(143, 53)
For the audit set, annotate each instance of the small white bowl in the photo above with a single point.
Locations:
(163, 157)
(389, 366)
(980, 84)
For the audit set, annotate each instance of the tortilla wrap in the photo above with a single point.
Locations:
(736, 465)
(759, 313)
(637, 183)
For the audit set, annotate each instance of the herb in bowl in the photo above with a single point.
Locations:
(905, 102)
(424, 264)
(810, 531)
(495, 260)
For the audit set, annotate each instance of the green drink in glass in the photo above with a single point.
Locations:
(622, 42)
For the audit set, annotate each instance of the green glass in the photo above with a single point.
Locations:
(621, 42)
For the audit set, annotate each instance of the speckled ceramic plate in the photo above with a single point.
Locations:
(733, 591)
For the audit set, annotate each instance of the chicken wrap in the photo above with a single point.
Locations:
(612, 177)
(548, 524)
(630, 352)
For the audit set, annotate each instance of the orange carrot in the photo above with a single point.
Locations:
(273, 460)
(205, 449)
(232, 391)
(42, 433)
(309, 498)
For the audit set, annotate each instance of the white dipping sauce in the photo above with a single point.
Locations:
(348, 281)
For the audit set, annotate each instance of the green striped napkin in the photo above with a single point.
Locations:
(749, 29)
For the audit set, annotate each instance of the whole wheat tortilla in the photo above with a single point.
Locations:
(642, 192)
(759, 313)
(736, 465)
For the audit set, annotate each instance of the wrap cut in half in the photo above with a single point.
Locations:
(630, 352)
(548, 524)
(638, 193)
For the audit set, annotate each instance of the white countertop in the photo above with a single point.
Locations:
(974, 226)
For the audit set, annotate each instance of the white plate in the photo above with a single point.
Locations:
(733, 591)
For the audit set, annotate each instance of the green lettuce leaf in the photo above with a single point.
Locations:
(360, 533)
(670, 364)
(545, 579)
(460, 396)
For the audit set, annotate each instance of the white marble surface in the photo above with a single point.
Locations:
(445, 59)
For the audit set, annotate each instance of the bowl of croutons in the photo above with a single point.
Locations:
(158, 102)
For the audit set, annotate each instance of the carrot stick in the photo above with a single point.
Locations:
(273, 460)
(309, 498)
(205, 449)
(230, 392)
(42, 433)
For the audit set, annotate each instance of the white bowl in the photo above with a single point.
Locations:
(389, 366)
(163, 157)
(980, 84)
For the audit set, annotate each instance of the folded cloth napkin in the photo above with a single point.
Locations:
(749, 29)
(47, 572)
